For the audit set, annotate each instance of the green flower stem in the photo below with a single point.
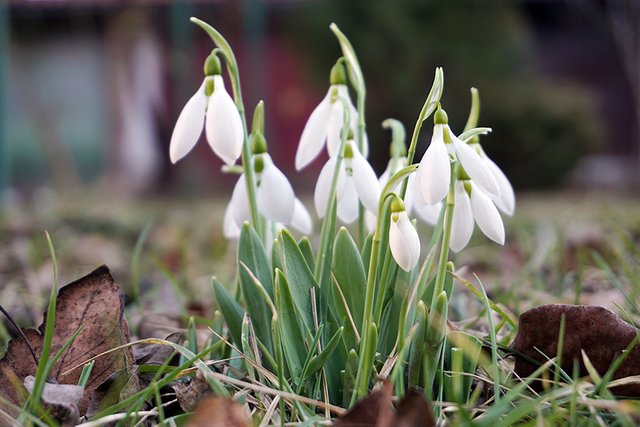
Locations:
(232, 69)
(446, 239)
(325, 236)
(361, 125)
(433, 100)
(364, 372)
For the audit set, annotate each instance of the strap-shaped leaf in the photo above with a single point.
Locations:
(298, 276)
(307, 251)
(348, 270)
(230, 309)
(319, 361)
(291, 328)
(251, 255)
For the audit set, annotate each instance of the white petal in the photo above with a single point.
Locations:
(486, 215)
(462, 227)
(314, 133)
(507, 200)
(435, 169)
(323, 185)
(404, 242)
(223, 125)
(301, 220)
(230, 229)
(239, 204)
(475, 166)
(275, 194)
(348, 202)
(334, 137)
(370, 220)
(427, 213)
(365, 145)
(189, 125)
(365, 181)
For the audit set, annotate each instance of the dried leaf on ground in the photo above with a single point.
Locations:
(94, 303)
(191, 392)
(414, 411)
(60, 399)
(376, 410)
(217, 411)
(599, 332)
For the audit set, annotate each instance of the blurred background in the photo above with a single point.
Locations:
(90, 89)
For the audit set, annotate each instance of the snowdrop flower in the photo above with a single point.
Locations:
(326, 121)
(435, 170)
(301, 220)
(223, 125)
(404, 241)
(472, 203)
(506, 200)
(275, 197)
(356, 182)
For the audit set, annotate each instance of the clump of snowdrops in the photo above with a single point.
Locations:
(371, 300)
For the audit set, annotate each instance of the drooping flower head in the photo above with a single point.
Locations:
(473, 203)
(275, 197)
(404, 241)
(435, 167)
(326, 121)
(506, 200)
(223, 124)
(357, 182)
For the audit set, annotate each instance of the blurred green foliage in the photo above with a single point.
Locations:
(541, 127)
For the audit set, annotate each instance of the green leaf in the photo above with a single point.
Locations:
(307, 252)
(353, 66)
(349, 376)
(470, 346)
(293, 339)
(348, 270)
(298, 276)
(231, 310)
(276, 255)
(417, 351)
(319, 361)
(252, 255)
(251, 252)
(351, 334)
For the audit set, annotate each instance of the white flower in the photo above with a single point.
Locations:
(478, 207)
(325, 123)
(414, 205)
(356, 182)
(223, 123)
(506, 201)
(435, 170)
(404, 241)
(275, 198)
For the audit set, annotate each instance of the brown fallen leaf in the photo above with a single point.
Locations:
(191, 392)
(94, 303)
(217, 411)
(375, 410)
(599, 332)
(413, 410)
(61, 399)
